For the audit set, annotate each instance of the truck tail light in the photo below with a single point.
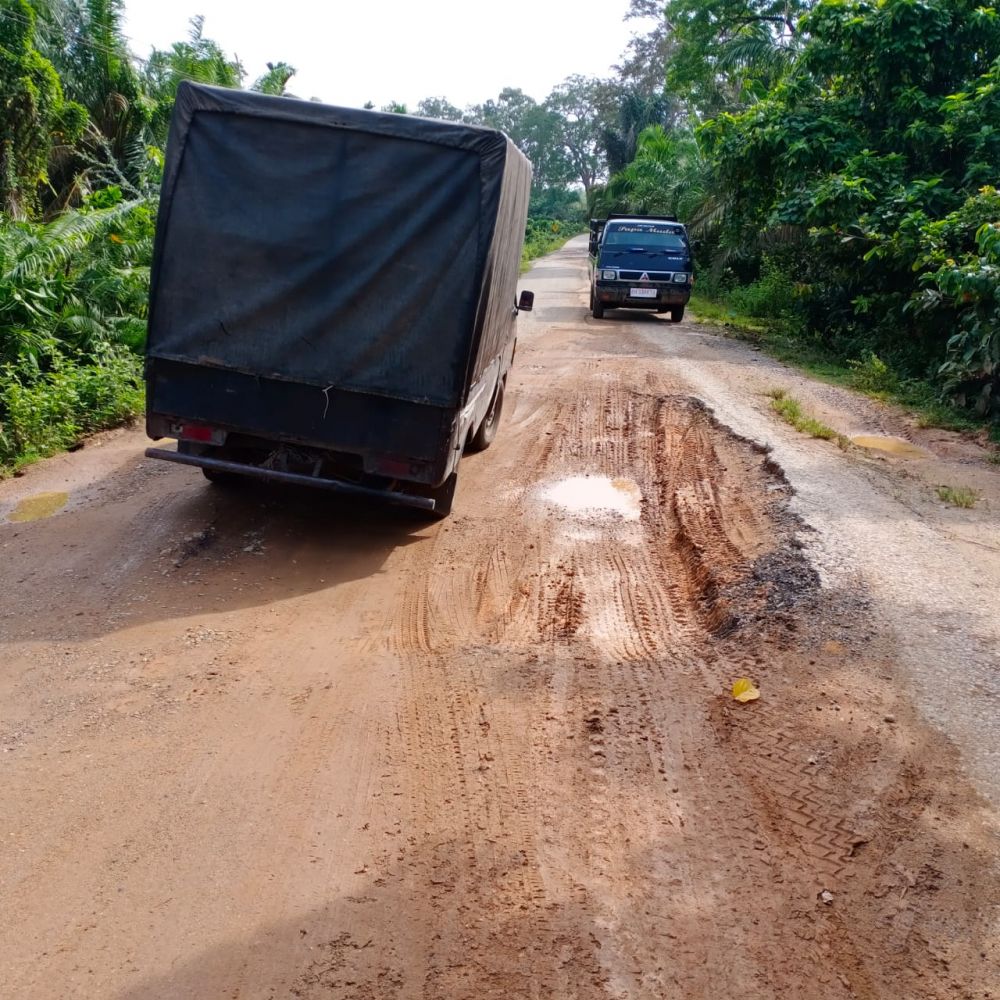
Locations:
(195, 432)
(392, 467)
(199, 432)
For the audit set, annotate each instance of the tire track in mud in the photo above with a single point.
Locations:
(585, 807)
(496, 757)
(482, 768)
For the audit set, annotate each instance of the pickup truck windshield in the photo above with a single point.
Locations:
(652, 237)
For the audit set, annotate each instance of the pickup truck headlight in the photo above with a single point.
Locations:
(609, 275)
(681, 278)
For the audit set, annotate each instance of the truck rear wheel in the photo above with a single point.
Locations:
(218, 478)
(443, 496)
(487, 430)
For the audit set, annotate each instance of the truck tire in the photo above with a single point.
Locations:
(677, 313)
(443, 496)
(597, 308)
(487, 430)
(217, 478)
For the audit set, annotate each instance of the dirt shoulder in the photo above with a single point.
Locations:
(267, 744)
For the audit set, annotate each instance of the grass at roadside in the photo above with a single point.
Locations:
(867, 376)
(544, 237)
(790, 410)
(48, 412)
(958, 496)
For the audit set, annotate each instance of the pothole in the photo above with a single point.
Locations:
(596, 496)
(893, 446)
(39, 506)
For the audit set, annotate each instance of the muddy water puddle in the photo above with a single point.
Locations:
(39, 506)
(897, 447)
(596, 496)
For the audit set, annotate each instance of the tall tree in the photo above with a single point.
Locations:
(36, 116)
(668, 175)
(534, 128)
(582, 107)
(441, 108)
(199, 59)
(644, 62)
(91, 55)
(726, 53)
(637, 110)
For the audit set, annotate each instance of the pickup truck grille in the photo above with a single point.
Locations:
(651, 275)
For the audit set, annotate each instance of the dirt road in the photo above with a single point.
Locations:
(265, 744)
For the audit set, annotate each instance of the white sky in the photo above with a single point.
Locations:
(402, 50)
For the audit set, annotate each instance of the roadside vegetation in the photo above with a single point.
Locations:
(545, 236)
(844, 209)
(958, 496)
(82, 135)
(790, 410)
(923, 396)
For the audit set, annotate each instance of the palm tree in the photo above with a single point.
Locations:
(669, 176)
(637, 110)
(74, 280)
(198, 59)
(275, 80)
(85, 42)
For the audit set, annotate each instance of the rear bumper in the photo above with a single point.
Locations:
(616, 293)
(389, 437)
(276, 475)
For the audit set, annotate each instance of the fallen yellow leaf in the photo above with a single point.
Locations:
(744, 690)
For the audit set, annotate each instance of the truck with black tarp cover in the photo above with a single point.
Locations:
(333, 293)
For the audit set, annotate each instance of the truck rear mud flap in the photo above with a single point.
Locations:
(276, 475)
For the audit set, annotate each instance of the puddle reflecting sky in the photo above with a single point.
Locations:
(596, 496)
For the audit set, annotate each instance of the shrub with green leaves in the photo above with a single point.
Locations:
(881, 165)
(542, 236)
(73, 296)
(42, 412)
(971, 287)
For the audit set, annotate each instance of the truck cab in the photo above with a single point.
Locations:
(640, 262)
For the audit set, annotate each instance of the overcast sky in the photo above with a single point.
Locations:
(401, 50)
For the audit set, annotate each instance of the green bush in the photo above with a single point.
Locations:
(971, 286)
(774, 295)
(42, 412)
(880, 168)
(544, 235)
(873, 375)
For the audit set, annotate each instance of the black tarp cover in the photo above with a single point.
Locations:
(335, 247)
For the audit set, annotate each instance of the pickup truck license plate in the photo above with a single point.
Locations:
(642, 293)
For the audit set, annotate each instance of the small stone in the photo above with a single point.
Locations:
(826, 897)
(888, 718)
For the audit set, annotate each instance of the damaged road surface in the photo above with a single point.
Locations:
(262, 743)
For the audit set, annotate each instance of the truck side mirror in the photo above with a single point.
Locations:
(592, 250)
(526, 302)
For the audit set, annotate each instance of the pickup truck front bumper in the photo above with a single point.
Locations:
(621, 293)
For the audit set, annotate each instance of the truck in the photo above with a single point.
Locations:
(332, 297)
(640, 262)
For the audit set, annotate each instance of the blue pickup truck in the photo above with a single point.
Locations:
(640, 262)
